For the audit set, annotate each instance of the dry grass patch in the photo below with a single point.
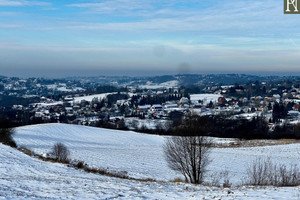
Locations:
(26, 151)
(178, 180)
(256, 143)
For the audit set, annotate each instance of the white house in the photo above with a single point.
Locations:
(156, 107)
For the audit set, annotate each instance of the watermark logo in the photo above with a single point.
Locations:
(291, 6)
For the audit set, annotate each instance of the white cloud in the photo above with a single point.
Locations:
(230, 18)
(9, 13)
(9, 26)
(22, 3)
(142, 8)
(241, 18)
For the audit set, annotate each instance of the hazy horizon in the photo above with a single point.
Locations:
(135, 73)
(146, 37)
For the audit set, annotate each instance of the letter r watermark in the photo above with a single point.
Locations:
(291, 7)
(293, 3)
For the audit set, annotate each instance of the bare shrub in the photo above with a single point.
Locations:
(188, 155)
(226, 179)
(259, 172)
(60, 152)
(289, 176)
(215, 180)
(222, 176)
(265, 172)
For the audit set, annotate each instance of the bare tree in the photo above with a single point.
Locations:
(60, 152)
(188, 155)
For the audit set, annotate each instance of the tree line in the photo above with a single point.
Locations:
(225, 127)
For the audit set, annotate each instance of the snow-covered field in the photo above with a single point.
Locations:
(23, 177)
(63, 88)
(168, 84)
(206, 98)
(139, 154)
(90, 97)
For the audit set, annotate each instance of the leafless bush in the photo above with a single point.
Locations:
(222, 176)
(60, 152)
(226, 179)
(265, 172)
(259, 172)
(289, 177)
(188, 155)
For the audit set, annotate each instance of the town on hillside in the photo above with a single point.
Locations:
(149, 103)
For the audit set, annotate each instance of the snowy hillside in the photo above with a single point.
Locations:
(90, 97)
(24, 177)
(168, 84)
(141, 155)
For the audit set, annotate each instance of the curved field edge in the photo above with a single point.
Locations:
(141, 155)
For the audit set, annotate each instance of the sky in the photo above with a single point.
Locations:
(147, 37)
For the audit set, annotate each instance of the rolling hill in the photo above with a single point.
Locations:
(25, 177)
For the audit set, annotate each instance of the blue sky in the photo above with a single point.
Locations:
(127, 37)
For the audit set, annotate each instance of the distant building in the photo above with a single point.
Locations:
(168, 106)
(156, 107)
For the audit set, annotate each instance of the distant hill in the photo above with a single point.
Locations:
(182, 79)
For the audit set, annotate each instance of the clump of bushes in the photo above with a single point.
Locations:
(6, 137)
(265, 172)
(80, 165)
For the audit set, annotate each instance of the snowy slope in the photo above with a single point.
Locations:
(26, 177)
(90, 97)
(236, 160)
(168, 84)
(139, 154)
(23, 177)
